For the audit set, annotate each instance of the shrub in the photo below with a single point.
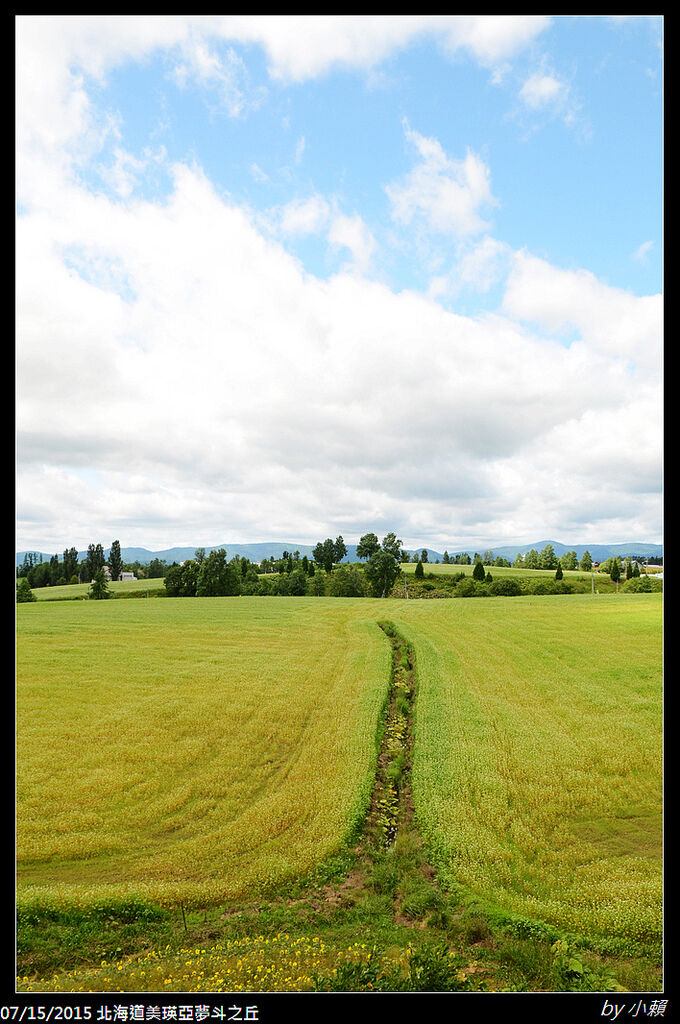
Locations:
(346, 581)
(642, 585)
(508, 587)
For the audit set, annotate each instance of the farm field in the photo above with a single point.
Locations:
(117, 588)
(538, 763)
(206, 750)
(182, 747)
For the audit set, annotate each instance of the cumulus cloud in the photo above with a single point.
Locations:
(301, 47)
(609, 320)
(181, 379)
(246, 393)
(444, 193)
(542, 90)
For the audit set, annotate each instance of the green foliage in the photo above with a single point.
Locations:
(547, 559)
(24, 592)
(586, 562)
(434, 968)
(181, 580)
(324, 554)
(381, 572)
(297, 583)
(99, 588)
(642, 585)
(216, 578)
(479, 573)
(419, 571)
(572, 974)
(347, 581)
(368, 545)
(95, 559)
(508, 586)
(115, 560)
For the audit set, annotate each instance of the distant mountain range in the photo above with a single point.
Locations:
(256, 552)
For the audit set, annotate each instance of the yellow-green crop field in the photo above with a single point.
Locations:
(199, 749)
(190, 748)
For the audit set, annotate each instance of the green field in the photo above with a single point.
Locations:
(79, 591)
(185, 748)
(538, 760)
(205, 750)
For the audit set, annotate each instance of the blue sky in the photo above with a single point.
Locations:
(287, 277)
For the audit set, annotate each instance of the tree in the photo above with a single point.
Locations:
(531, 559)
(95, 559)
(347, 581)
(615, 571)
(586, 562)
(420, 572)
(548, 558)
(478, 573)
(339, 550)
(216, 578)
(367, 546)
(55, 570)
(297, 583)
(24, 592)
(115, 560)
(381, 572)
(173, 581)
(199, 555)
(99, 588)
(446, 560)
(558, 571)
(383, 566)
(392, 545)
(70, 562)
(423, 555)
(569, 560)
(317, 584)
(324, 553)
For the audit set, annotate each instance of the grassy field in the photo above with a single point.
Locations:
(203, 750)
(538, 766)
(79, 591)
(190, 747)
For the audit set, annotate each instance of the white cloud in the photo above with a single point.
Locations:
(610, 320)
(542, 90)
(304, 216)
(478, 268)
(249, 399)
(301, 47)
(351, 233)
(181, 379)
(443, 193)
(641, 253)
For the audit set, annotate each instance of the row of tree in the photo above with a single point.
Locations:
(212, 575)
(57, 572)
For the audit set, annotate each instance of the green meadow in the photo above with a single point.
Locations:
(196, 752)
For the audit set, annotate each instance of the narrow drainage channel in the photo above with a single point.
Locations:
(392, 802)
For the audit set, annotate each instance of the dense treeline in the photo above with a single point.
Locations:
(325, 574)
(56, 572)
